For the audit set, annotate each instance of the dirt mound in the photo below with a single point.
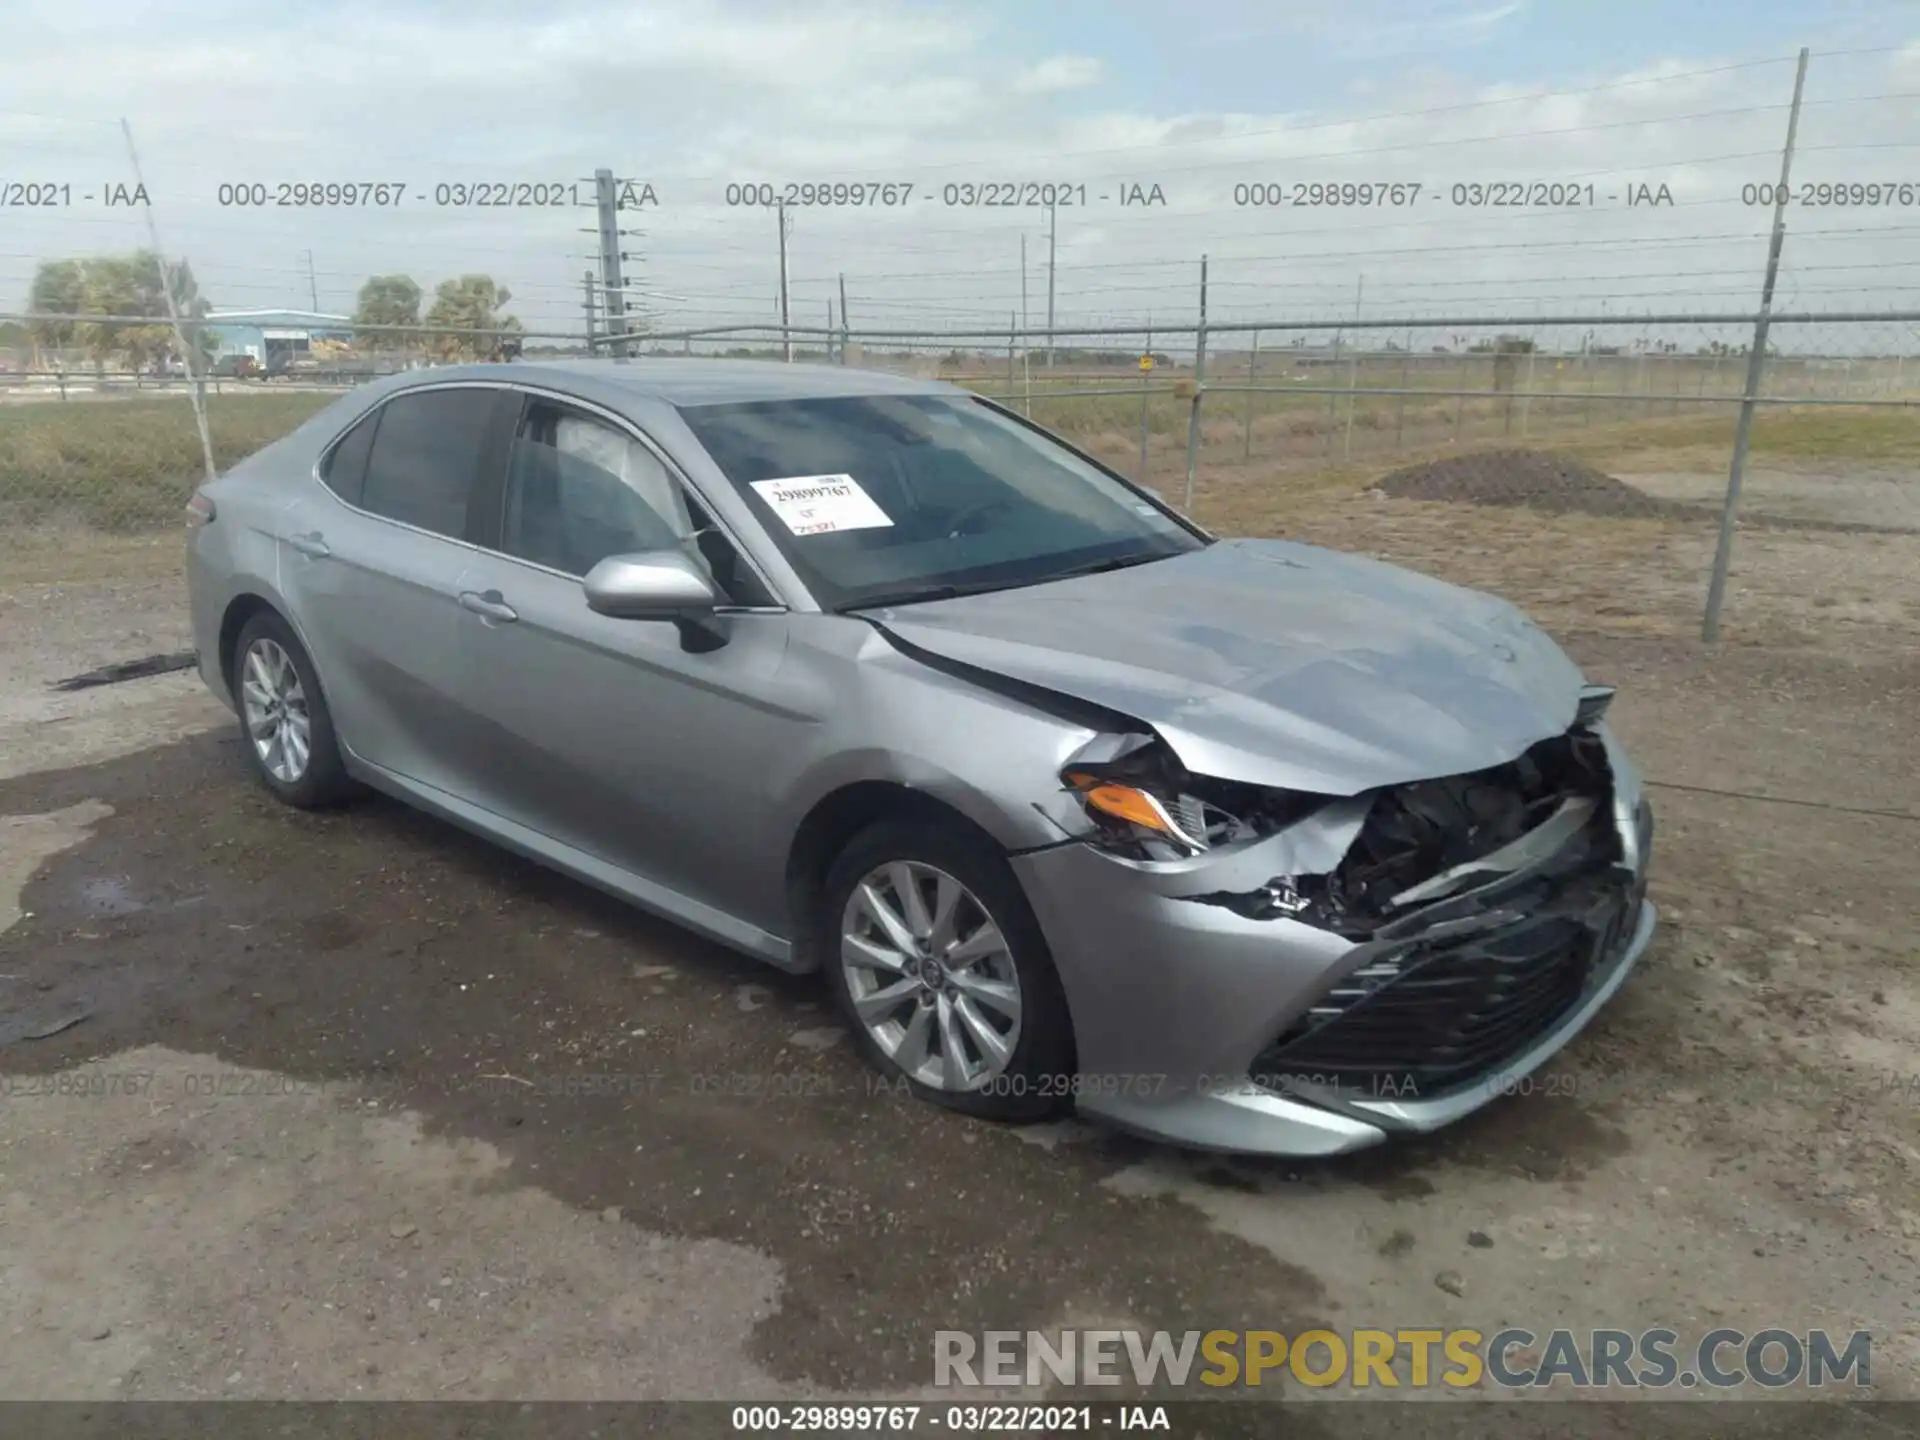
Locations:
(1556, 485)
(1531, 478)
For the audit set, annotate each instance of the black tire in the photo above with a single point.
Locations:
(325, 781)
(1037, 1081)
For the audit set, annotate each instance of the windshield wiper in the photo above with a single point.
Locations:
(1101, 567)
(953, 592)
(922, 594)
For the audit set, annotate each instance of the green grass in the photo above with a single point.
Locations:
(1826, 432)
(127, 465)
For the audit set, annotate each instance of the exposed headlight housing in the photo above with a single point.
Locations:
(1138, 814)
(1145, 804)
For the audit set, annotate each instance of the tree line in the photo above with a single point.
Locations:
(470, 302)
(117, 285)
(137, 285)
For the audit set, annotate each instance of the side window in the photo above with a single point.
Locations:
(345, 470)
(426, 457)
(580, 489)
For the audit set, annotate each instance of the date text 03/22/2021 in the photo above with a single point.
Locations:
(626, 193)
(971, 1419)
(952, 195)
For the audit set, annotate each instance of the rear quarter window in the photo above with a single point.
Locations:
(345, 468)
(425, 462)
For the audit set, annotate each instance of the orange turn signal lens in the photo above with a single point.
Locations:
(1122, 802)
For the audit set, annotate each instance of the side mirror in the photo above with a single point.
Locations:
(656, 585)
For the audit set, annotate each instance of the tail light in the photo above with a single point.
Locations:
(199, 510)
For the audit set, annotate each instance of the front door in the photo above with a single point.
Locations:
(619, 737)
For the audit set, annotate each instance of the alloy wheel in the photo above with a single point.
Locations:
(930, 976)
(275, 705)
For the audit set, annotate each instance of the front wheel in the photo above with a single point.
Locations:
(937, 962)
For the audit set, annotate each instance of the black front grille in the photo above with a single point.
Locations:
(1418, 1022)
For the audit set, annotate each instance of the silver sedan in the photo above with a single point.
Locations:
(1239, 843)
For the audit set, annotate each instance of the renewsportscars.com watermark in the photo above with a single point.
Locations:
(1509, 1359)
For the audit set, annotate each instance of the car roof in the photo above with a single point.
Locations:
(685, 381)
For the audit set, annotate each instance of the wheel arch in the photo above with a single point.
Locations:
(825, 830)
(240, 609)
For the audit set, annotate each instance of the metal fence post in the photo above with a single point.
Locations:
(1526, 387)
(1253, 369)
(195, 393)
(1353, 367)
(1199, 387)
(1400, 412)
(786, 332)
(1146, 396)
(1756, 367)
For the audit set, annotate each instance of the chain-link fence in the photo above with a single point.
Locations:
(1580, 466)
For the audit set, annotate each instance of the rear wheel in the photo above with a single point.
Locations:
(939, 966)
(284, 716)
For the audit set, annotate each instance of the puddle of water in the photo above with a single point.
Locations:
(108, 896)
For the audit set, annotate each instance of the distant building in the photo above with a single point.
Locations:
(275, 338)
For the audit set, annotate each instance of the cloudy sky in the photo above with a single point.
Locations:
(1216, 104)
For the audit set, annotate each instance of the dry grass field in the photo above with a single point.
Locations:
(126, 466)
(94, 491)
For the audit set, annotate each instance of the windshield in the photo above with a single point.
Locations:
(894, 498)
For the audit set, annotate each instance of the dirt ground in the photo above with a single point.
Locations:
(360, 1107)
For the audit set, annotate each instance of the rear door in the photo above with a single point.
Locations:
(372, 568)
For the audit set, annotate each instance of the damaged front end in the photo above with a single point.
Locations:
(1478, 910)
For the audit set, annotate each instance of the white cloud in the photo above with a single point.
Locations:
(1379, 29)
(1059, 72)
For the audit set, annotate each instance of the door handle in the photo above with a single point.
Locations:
(489, 606)
(311, 545)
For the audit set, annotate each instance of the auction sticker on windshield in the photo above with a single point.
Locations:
(821, 504)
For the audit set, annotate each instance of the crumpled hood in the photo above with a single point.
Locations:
(1276, 663)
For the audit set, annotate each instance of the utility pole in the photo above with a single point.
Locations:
(313, 288)
(586, 281)
(786, 335)
(845, 330)
(1756, 365)
(1053, 233)
(611, 281)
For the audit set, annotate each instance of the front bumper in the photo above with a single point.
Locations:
(1177, 1003)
